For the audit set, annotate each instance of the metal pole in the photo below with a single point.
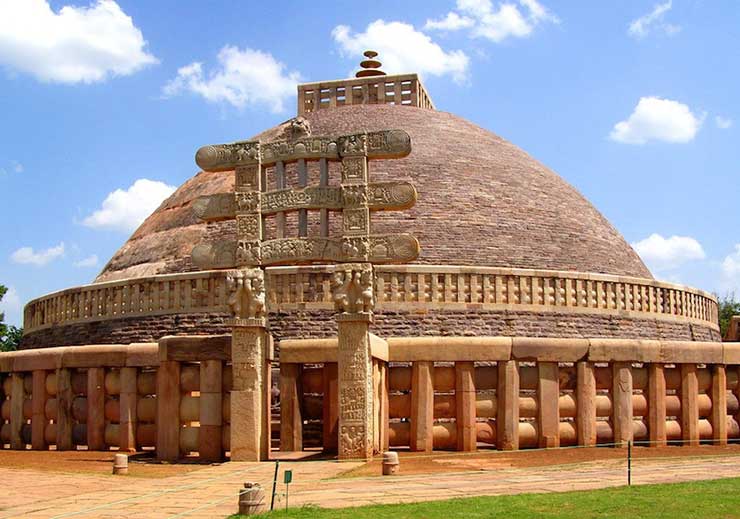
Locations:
(629, 463)
(286, 496)
(274, 485)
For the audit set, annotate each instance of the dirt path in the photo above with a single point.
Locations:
(159, 491)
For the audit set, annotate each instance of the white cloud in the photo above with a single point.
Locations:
(76, 44)
(661, 254)
(10, 305)
(653, 21)
(451, 22)
(722, 123)
(731, 271)
(90, 261)
(506, 20)
(658, 119)
(242, 78)
(403, 49)
(27, 256)
(124, 210)
(15, 167)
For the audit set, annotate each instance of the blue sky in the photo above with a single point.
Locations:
(104, 103)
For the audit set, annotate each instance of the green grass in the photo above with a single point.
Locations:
(705, 499)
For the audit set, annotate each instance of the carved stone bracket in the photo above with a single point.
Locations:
(352, 288)
(246, 295)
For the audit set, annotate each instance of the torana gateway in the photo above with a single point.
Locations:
(370, 274)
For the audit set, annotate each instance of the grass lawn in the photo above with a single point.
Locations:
(705, 499)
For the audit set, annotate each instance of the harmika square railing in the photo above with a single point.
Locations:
(405, 89)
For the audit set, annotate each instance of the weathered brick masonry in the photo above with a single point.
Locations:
(482, 201)
(313, 324)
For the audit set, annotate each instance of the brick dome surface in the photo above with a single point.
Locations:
(481, 201)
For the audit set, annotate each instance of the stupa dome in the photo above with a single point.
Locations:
(482, 201)
(507, 247)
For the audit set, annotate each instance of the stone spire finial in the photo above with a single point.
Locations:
(370, 66)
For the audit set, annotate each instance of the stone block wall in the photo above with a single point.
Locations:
(303, 324)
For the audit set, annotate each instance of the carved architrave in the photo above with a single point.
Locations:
(378, 195)
(306, 148)
(375, 145)
(352, 288)
(246, 293)
(392, 248)
(225, 157)
(306, 198)
(356, 198)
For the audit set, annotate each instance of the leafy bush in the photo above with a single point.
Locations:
(728, 306)
(10, 336)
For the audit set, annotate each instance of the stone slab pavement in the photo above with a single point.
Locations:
(212, 491)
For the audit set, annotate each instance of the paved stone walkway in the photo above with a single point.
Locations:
(212, 491)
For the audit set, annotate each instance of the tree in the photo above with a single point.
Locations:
(10, 336)
(728, 306)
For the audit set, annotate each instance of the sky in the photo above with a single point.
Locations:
(104, 103)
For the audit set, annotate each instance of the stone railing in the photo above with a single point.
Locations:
(156, 295)
(403, 89)
(398, 287)
(173, 396)
(416, 287)
(523, 392)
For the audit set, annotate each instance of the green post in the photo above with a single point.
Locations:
(287, 478)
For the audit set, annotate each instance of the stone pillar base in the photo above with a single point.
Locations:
(250, 421)
(355, 386)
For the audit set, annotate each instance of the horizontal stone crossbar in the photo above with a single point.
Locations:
(381, 196)
(394, 349)
(467, 349)
(88, 356)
